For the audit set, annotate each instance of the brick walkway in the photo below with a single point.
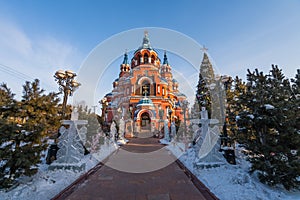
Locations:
(166, 183)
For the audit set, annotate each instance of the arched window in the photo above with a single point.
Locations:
(152, 59)
(139, 59)
(146, 60)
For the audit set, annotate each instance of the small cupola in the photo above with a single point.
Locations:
(124, 67)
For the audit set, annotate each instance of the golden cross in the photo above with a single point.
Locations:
(145, 90)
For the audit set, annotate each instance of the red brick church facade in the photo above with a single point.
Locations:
(145, 94)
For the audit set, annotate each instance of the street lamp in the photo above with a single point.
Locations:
(67, 85)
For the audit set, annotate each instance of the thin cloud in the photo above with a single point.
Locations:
(35, 57)
(13, 39)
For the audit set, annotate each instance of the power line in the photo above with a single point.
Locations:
(15, 73)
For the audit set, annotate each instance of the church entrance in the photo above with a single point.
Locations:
(145, 121)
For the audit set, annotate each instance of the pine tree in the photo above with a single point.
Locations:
(203, 96)
(6, 99)
(267, 126)
(7, 126)
(296, 84)
(218, 97)
(235, 89)
(25, 126)
(296, 95)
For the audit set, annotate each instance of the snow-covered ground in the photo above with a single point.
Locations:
(227, 182)
(232, 182)
(47, 183)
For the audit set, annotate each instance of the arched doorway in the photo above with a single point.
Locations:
(145, 121)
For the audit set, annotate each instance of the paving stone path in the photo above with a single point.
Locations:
(167, 183)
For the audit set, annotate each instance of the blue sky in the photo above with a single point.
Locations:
(39, 37)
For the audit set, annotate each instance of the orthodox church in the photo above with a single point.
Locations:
(145, 95)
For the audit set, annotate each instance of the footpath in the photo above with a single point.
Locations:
(108, 182)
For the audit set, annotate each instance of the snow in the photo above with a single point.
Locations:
(164, 141)
(227, 182)
(227, 148)
(250, 116)
(47, 183)
(5, 144)
(269, 106)
(232, 182)
(122, 141)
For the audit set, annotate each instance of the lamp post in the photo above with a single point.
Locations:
(67, 85)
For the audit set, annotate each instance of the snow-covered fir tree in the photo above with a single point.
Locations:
(218, 97)
(203, 96)
(296, 95)
(234, 88)
(267, 125)
(24, 128)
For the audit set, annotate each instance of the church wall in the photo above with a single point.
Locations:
(128, 88)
